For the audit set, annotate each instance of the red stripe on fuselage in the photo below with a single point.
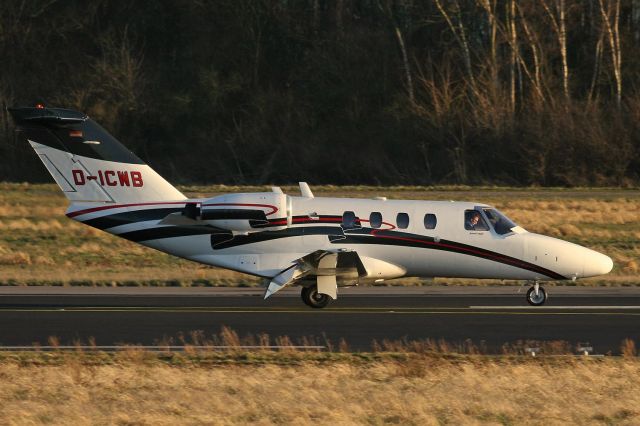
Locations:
(335, 219)
(274, 208)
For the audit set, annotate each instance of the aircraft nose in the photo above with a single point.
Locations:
(596, 264)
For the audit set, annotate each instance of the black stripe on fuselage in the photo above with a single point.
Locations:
(167, 232)
(418, 241)
(125, 218)
(222, 239)
(257, 237)
(152, 233)
(385, 237)
(299, 220)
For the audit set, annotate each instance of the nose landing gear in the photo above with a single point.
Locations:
(536, 296)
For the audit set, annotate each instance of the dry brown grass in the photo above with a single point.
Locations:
(15, 258)
(418, 391)
(567, 217)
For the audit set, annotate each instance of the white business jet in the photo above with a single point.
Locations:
(318, 243)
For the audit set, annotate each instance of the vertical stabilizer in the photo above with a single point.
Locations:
(87, 162)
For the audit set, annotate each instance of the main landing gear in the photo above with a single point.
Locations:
(311, 297)
(536, 295)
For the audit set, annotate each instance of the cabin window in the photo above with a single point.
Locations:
(430, 221)
(473, 221)
(402, 220)
(375, 220)
(349, 219)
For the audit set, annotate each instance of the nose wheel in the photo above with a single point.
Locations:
(536, 296)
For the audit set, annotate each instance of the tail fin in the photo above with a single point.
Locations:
(86, 161)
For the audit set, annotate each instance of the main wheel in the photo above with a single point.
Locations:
(536, 299)
(311, 297)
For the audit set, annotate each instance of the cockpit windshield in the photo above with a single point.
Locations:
(501, 224)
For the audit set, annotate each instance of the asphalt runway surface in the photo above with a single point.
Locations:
(491, 316)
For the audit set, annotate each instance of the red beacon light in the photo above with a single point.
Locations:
(40, 106)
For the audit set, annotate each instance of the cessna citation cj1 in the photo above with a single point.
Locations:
(318, 243)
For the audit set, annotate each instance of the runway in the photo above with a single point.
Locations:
(491, 316)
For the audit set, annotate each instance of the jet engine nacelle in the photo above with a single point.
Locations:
(242, 213)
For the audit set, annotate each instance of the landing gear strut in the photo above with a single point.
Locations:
(311, 297)
(536, 295)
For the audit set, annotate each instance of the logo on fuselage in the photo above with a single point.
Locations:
(109, 178)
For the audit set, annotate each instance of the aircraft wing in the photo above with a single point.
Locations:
(326, 265)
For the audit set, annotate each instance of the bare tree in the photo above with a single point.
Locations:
(443, 110)
(460, 35)
(534, 45)
(118, 78)
(613, 35)
(120, 68)
(517, 63)
(597, 60)
(6, 100)
(635, 19)
(558, 23)
(489, 7)
(513, 42)
(386, 8)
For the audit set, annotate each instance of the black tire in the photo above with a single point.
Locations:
(536, 300)
(312, 298)
(304, 296)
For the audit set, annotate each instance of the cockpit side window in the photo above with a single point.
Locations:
(473, 221)
(501, 224)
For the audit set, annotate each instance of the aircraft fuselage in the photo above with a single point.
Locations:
(392, 249)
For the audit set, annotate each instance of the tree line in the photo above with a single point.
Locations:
(537, 92)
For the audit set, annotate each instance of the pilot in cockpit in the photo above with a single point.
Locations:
(474, 222)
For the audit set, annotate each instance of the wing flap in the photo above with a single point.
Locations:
(285, 278)
(327, 284)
